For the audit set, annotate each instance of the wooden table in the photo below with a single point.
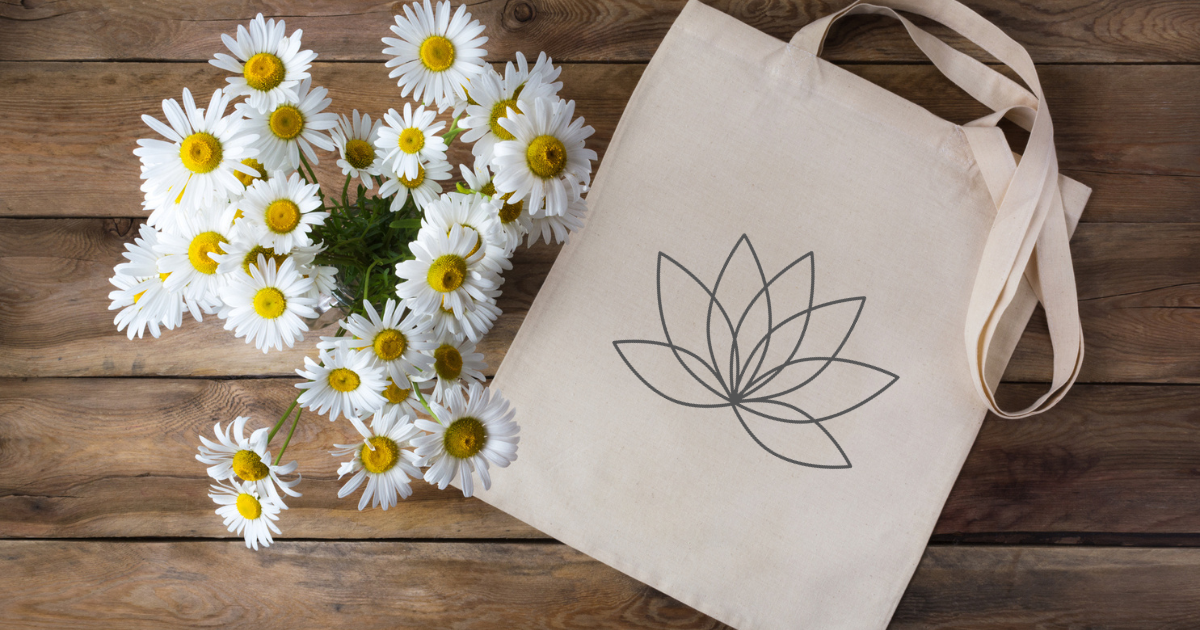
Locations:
(1087, 516)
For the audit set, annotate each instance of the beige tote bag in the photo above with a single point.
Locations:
(746, 382)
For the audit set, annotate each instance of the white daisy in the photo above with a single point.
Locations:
(292, 126)
(144, 303)
(411, 140)
(547, 160)
(477, 215)
(560, 226)
(267, 305)
(247, 458)
(402, 396)
(243, 249)
(513, 216)
(436, 54)
(344, 383)
(257, 167)
(474, 323)
(282, 211)
(396, 343)
(381, 460)
(355, 139)
(471, 434)
(324, 280)
(246, 512)
(455, 365)
(494, 96)
(446, 271)
(271, 64)
(424, 189)
(187, 255)
(195, 166)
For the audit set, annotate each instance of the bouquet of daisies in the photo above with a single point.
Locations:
(240, 228)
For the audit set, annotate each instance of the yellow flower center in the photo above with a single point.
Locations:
(447, 273)
(201, 249)
(251, 257)
(200, 152)
(411, 140)
(264, 72)
(500, 110)
(390, 344)
(395, 394)
(464, 437)
(248, 465)
(385, 455)
(249, 179)
(546, 156)
(437, 53)
(343, 380)
(360, 153)
(488, 190)
(286, 122)
(269, 303)
(138, 296)
(416, 181)
(447, 362)
(249, 507)
(282, 216)
(510, 211)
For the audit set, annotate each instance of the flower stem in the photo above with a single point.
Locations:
(453, 132)
(286, 441)
(421, 397)
(345, 189)
(287, 413)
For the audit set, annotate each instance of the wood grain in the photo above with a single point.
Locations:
(1137, 285)
(298, 585)
(114, 458)
(610, 30)
(1131, 121)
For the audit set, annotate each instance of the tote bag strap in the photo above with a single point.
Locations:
(1029, 237)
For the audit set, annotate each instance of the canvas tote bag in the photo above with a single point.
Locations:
(751, 380)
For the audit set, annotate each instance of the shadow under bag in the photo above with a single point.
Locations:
(751, 380)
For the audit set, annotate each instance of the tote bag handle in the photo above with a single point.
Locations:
(1029, 237)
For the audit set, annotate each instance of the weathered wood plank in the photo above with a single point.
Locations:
(439, 585)
(613, 30)
(1138, 284)
(84, 118)
(1109, 460)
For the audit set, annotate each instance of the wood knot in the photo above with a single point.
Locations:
(522, 12)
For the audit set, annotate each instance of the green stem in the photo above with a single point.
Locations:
(287, 413)
(452, 133)
(367, 281)
(421, 397)
(346, 189)
(287, 440)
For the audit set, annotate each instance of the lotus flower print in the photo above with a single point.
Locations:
(763, 349)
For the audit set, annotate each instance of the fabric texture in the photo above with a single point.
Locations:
(752, 379)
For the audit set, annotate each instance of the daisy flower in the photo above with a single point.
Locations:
(474, 323)
(478, 216)
(292, 126)
(410, 140)
(144, 303)
(282, 211)
(560, 226)
(243, 249)
(394, 343)
(204, 148)
(424, 189)
(187, 255)
(271, 65)
(472, 433)
(402, 396)
(547, 160)
(381, 460)
(513, 216)
(257, 167)
(494, 95)
(355, 139)
(436, 54)
(267, 305)
(446, 271)
(455, 365)
(247, 458)
(246, 513)
(344, 383)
